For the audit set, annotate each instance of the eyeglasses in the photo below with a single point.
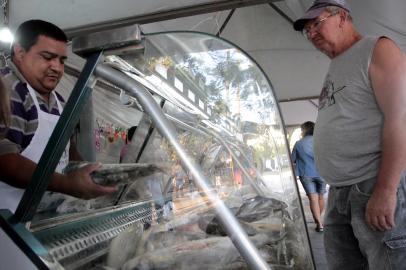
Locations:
(316, 25)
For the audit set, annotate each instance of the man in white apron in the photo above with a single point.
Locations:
(38, 55)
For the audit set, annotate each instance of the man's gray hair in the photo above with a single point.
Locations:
(333, 9)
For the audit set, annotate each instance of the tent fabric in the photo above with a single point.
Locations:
(294, 67)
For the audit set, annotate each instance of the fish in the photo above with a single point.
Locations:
(184, 242)
(73, 205)
(258, 208)
(138, 240)
(250, 210)
(189, 218)
(211, 225)
(156, 238)
(123, 246)
(114, 174)
(209, 253)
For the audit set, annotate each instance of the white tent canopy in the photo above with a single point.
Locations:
(261, 28)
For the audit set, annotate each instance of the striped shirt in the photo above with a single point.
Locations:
(24, 115)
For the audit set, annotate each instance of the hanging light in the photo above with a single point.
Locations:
(5, 33)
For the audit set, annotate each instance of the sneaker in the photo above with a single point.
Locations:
(319, 229)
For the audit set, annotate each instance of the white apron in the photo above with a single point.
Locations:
(11, 196)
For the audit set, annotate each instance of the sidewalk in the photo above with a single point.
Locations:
(316, 238)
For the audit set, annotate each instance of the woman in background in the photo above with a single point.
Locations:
(124, 150)
(315, 187)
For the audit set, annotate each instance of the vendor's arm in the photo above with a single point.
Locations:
(17, 171)
(387, 73)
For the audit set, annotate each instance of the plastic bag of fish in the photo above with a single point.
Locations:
(114, 174)
(196, 240)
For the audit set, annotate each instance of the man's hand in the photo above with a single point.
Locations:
(82, 186)
(380, 211)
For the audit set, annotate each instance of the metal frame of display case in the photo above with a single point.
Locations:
(13, 225)
(167, 130)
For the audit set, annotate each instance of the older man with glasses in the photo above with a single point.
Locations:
(359, 140)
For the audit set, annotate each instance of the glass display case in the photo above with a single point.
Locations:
(205, 180)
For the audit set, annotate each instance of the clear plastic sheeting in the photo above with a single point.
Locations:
(227, 119)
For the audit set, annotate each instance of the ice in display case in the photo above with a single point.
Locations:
(195, 191)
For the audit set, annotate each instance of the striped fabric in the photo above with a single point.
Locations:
(24, 114)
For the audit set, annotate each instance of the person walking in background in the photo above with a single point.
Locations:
(359, 140)
(124, 150)
(315, 187)
(179, 179)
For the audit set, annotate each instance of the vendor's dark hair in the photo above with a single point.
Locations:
(28, 32)
(307, 128)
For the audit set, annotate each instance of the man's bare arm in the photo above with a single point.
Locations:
(17, 171)
(388, 77)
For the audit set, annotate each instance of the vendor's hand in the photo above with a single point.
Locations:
(380, 211)
(82, 185)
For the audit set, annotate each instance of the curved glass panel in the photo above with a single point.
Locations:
(227, 118)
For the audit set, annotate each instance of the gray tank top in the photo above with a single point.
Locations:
(347, 136)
